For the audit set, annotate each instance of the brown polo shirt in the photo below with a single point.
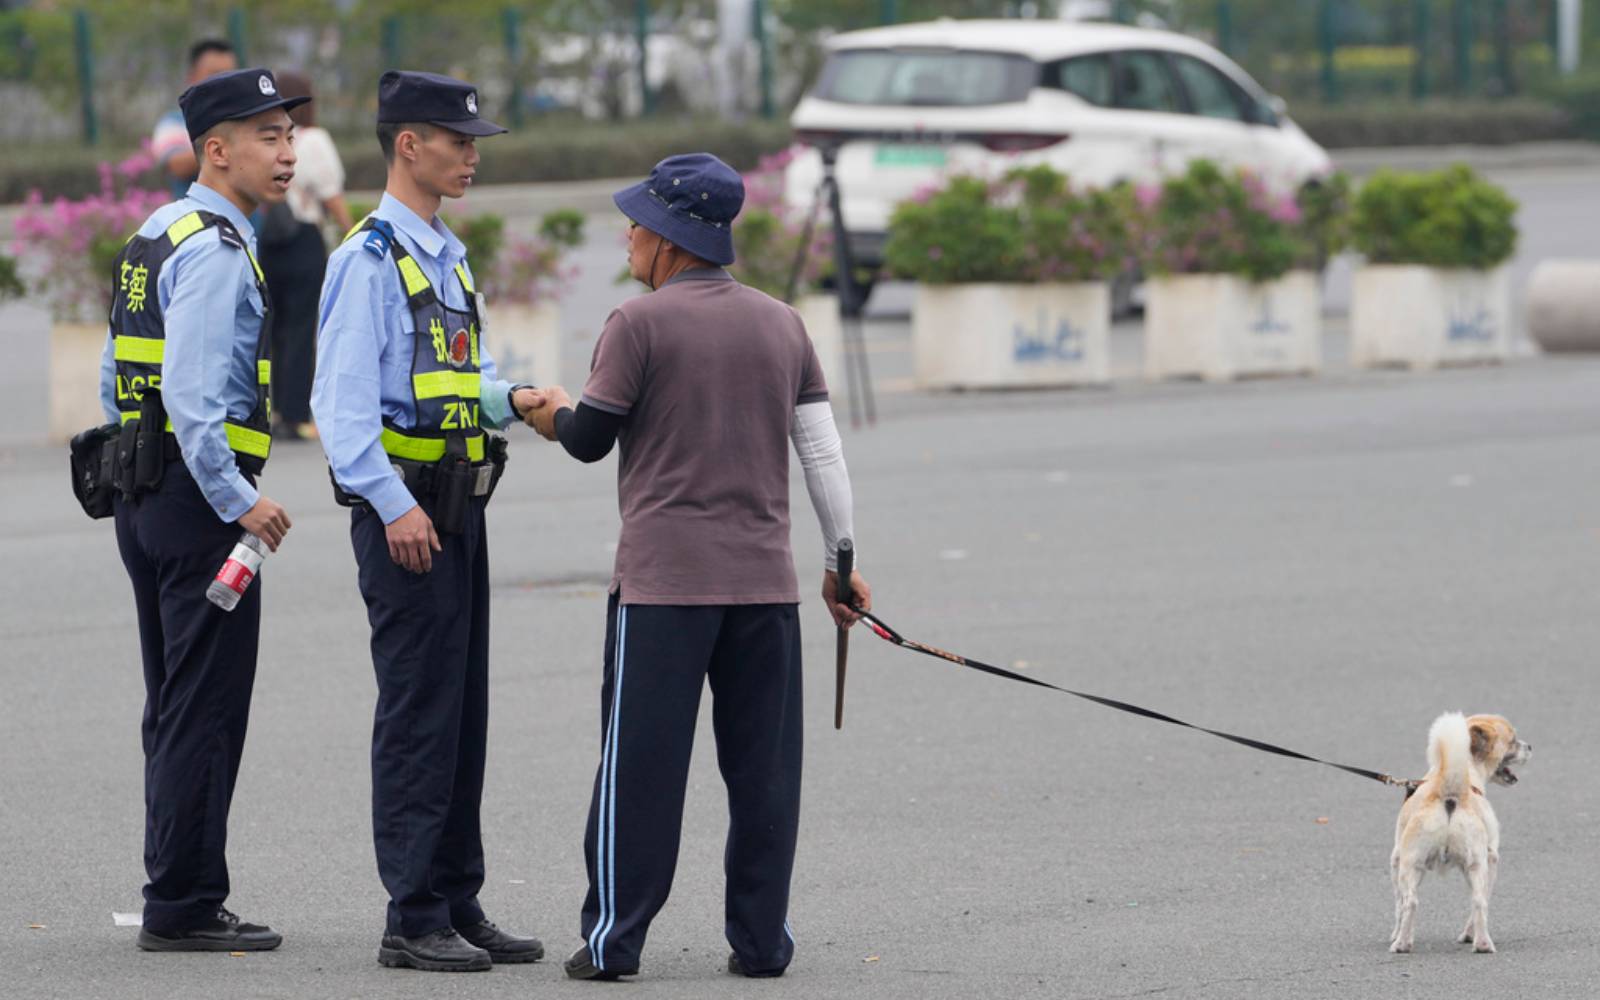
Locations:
(706, 373)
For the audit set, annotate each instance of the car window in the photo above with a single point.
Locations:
(1088, 77)
(925, 77)
(1143, 83)
(1210, 93)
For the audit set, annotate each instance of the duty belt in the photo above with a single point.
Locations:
(423, 480)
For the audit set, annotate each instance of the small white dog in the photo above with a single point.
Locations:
(1447, 821)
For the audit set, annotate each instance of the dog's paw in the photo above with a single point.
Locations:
(1465, 938)
(1401, 947)
(1483, 946)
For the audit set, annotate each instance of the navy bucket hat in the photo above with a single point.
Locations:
(690, 201)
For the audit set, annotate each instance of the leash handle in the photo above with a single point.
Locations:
(845, 565)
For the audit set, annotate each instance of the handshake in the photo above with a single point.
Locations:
(537, 407)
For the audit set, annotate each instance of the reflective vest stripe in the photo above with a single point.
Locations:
(185, 227)
(415, 280)
(240, 439)
(466, 279)
(432, 385)
(426, 449)
(264, 372)
(248, 442)
(139, 350)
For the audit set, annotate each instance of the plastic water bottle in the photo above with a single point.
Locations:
(233, 579)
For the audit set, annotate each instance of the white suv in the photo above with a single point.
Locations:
(905, 106)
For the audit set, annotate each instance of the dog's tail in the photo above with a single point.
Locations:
(1449, 753)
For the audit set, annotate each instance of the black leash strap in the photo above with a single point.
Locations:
(885, 632)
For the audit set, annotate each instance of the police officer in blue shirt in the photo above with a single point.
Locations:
(404, 389)
(186, 375)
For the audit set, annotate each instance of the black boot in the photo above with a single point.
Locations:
(438, 951)
(503, 948)
(223, 932)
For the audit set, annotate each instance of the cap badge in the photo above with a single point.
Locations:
(265, 83)
(472, 104)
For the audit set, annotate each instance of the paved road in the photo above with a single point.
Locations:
(1326, 563)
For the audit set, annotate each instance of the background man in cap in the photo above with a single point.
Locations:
(184, 371)
(403, 390)
(704, 382)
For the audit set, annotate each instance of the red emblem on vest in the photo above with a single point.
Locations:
(459, 347)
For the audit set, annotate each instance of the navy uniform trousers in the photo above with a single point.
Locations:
(430, 651)
(199, 668)
(657, 660)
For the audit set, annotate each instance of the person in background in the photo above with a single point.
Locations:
(294, 256)
(169, 143)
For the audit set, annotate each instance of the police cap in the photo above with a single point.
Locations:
(225, 97)
(407, 96)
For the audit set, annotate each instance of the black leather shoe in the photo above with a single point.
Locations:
(580, 965)
(438, 951)
(223, 932)
(503, 948)
(737, 968)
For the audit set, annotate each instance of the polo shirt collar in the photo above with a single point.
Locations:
(213, 200)
(699, 274)
(432, 240)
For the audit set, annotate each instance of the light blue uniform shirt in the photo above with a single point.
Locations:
(365, 339)
(211, 313)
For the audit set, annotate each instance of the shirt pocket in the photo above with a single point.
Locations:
(254, 304)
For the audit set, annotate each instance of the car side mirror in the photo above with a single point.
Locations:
(1277, 105)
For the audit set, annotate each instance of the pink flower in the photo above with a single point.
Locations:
(1286, 210)
(1148, 196)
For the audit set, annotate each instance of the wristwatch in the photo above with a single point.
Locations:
(511, 397)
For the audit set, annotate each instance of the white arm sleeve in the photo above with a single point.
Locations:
(816, 441)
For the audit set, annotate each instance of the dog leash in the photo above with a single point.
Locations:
(884, 631)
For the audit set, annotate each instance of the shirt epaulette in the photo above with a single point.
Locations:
(229, 235)
(379, 235)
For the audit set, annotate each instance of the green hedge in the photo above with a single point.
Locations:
(562, 151)
(1486, 123)
(551, 151)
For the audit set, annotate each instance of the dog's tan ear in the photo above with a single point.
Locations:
(1482, 739)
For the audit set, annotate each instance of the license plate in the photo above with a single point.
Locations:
(910, 156)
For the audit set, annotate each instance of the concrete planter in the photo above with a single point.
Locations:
(525, 341)
(1221, 326)
(1410, 316)
(820, 313)
(75, 351)
(1005, 336)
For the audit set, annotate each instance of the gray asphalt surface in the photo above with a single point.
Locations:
(1324, 563)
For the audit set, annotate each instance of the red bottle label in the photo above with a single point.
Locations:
(235, 575)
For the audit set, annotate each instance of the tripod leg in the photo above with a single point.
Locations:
(858, 335)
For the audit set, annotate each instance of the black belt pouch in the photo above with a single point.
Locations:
(93, 458)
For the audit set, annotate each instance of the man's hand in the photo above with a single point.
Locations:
(412, 540)
(542, 418)
(524, 401)
(267, 521)
(860, 592)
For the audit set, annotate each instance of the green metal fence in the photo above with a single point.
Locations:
(105, 64)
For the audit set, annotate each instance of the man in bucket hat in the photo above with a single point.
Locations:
(703, 383)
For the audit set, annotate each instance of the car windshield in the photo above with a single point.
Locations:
(925, 77)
